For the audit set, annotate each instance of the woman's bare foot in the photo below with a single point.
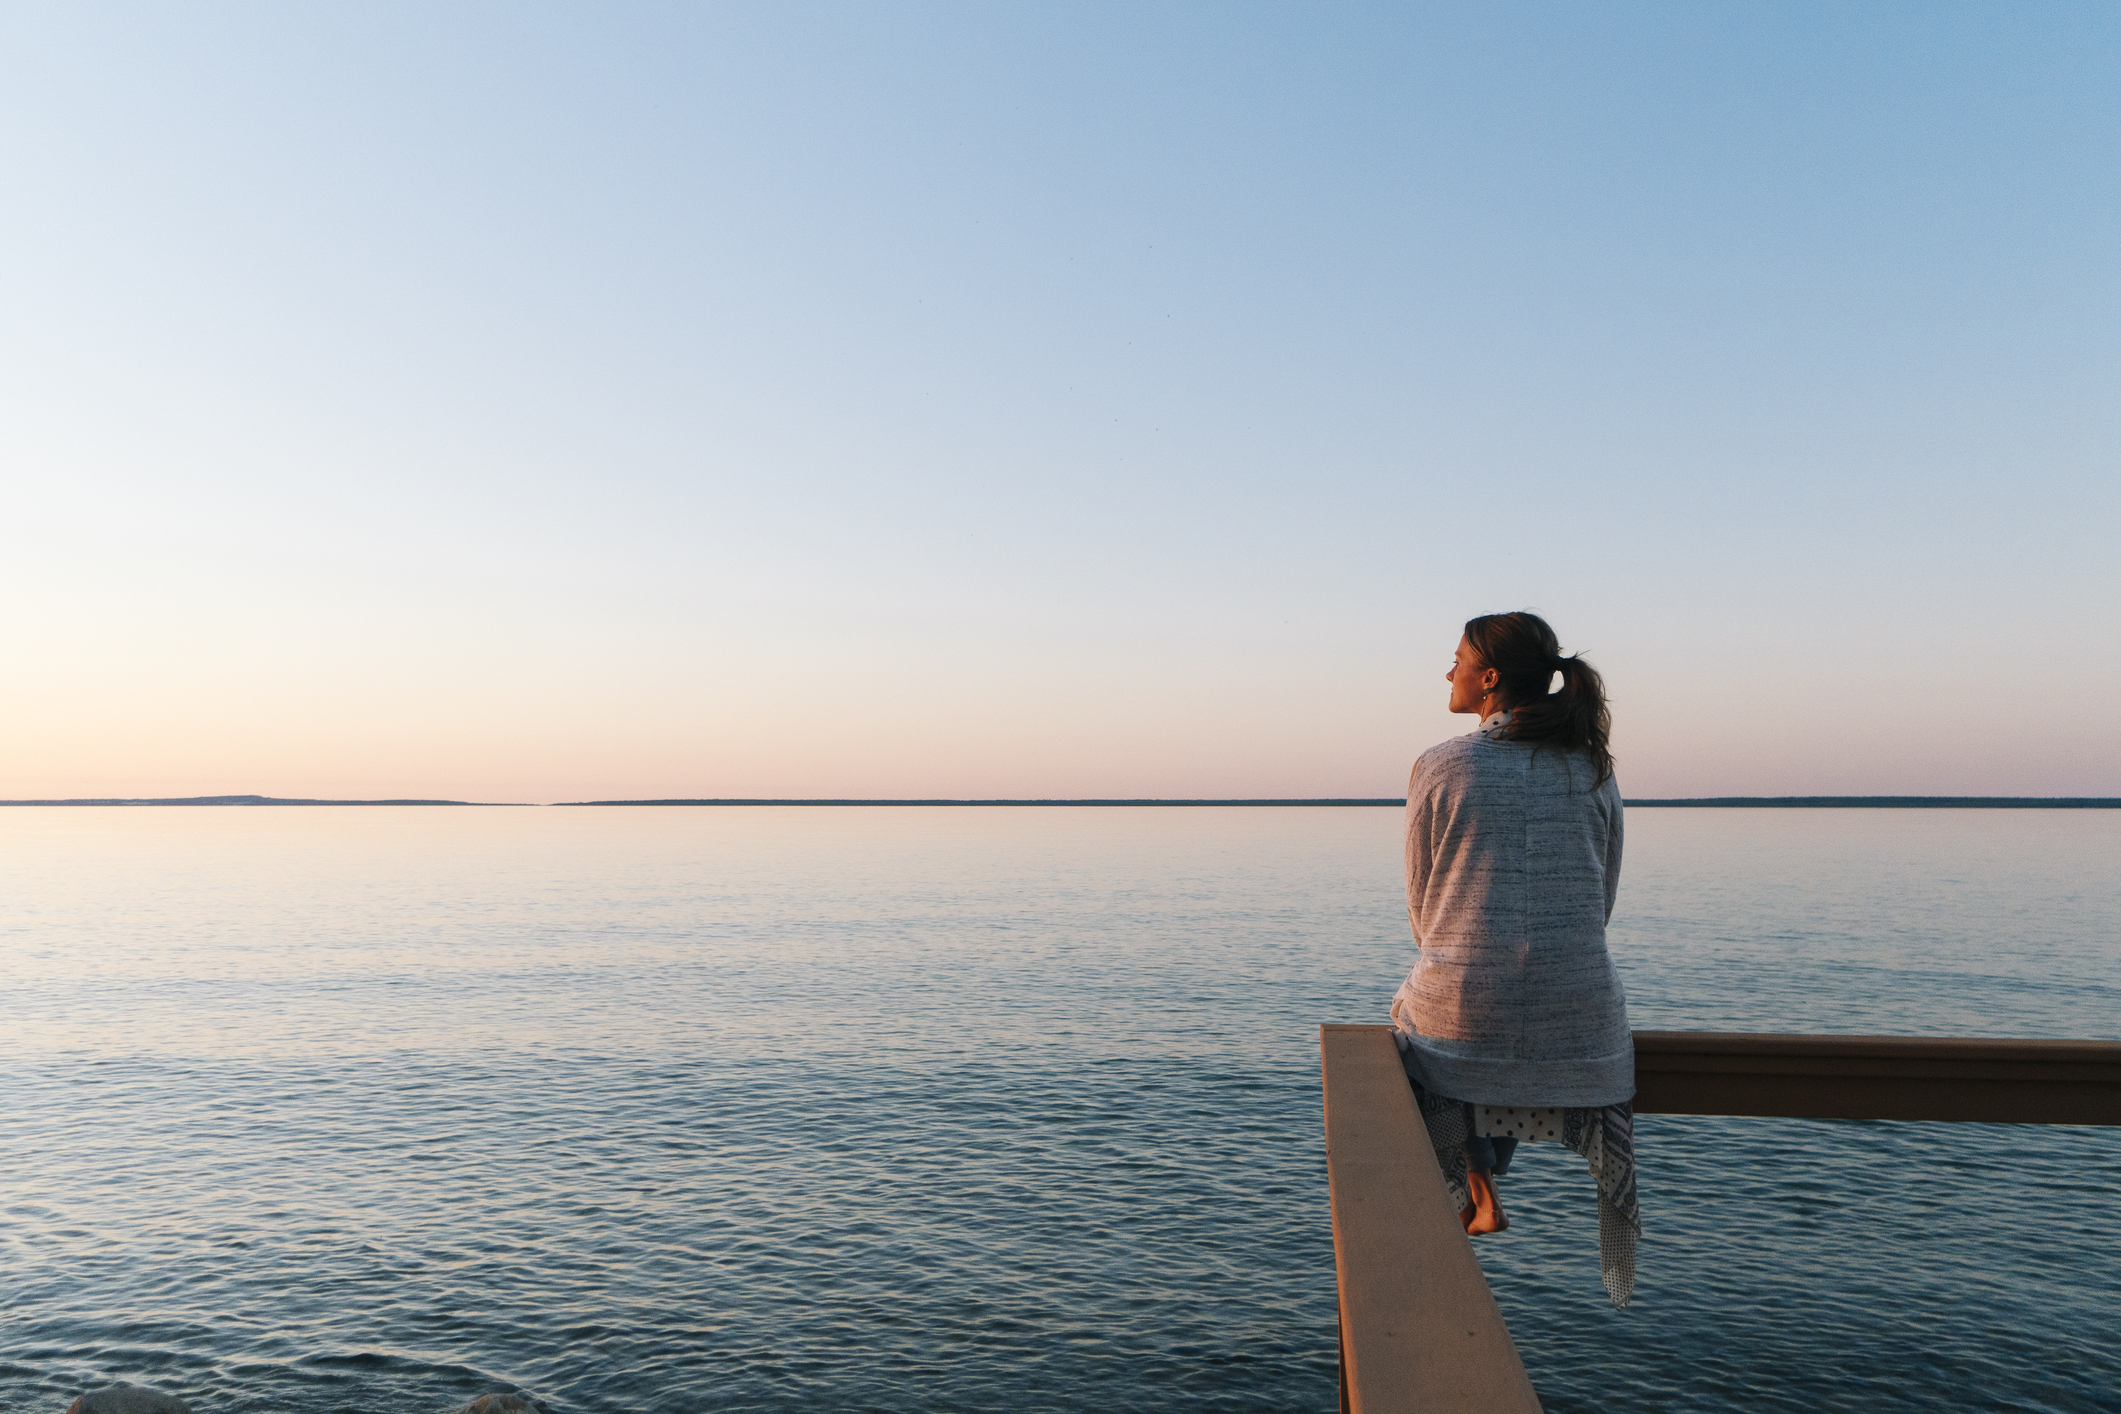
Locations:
(1485, 1215)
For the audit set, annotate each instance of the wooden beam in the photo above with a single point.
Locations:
(1877, 1077)
(1419, 1328)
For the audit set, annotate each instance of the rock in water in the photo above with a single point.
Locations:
(500, 1404)
(128, 1399)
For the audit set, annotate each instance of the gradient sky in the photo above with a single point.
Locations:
(539, 403)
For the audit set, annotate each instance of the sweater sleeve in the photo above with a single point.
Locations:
(1612, 849)
(1419, 854)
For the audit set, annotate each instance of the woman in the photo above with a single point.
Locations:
(1512, 1024)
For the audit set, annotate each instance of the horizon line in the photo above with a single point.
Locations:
(1963, 802)
(1816, 802)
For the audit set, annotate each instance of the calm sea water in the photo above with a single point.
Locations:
(902, 1109)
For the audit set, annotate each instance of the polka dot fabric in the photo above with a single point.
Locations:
(1509, 1122)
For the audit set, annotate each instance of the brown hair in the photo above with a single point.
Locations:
(1525, 655)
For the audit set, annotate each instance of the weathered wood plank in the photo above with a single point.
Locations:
(1420, 1331)
(1878, 1077)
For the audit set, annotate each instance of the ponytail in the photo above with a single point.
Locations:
(1525, 654)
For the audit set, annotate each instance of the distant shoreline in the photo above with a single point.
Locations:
(1894, 802)
(1333, 800)
(1714, 802)
(234, 800)
(1886, 802)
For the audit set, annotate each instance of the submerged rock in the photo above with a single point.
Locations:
(128, 1399)
(501, 1404)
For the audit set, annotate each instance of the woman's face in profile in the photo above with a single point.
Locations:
(1470, 680)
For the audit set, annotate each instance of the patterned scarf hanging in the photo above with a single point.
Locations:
(1605, 1137)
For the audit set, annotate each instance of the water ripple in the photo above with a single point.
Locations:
(913, 1111)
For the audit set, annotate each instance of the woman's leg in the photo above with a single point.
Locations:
(1484, 1213)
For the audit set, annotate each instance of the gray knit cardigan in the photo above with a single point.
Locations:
(1513, 863)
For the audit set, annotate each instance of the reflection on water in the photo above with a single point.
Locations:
(952, 1109)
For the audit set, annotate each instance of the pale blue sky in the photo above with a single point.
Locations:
(539, 403)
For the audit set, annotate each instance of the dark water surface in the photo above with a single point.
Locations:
(762, 1109)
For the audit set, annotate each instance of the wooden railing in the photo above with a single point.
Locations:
(1877, 1077)
(1419, 1329)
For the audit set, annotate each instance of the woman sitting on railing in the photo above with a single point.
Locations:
(1512, 1024)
